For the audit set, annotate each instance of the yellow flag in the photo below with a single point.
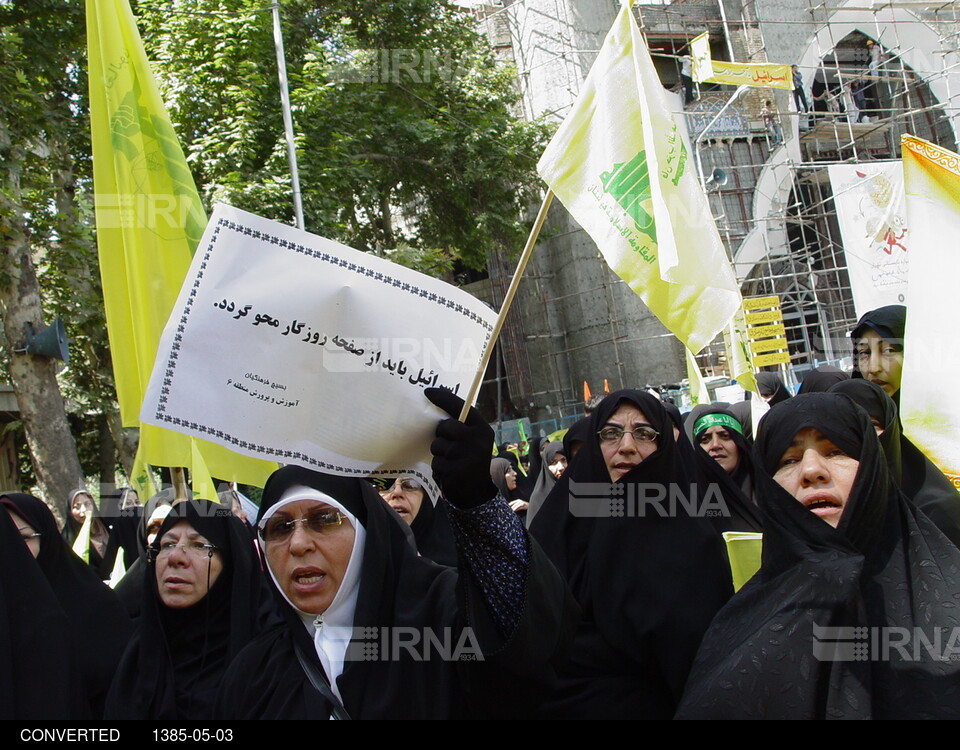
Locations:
(142, 479)
(700, 58)
(200, 481)
(149, 220)
(620, 167)
(81, 545)
(118, 572)
(699, 394)
(744, 550)
(757, 75)
(738, 352)
(931, 412)
(760, 75)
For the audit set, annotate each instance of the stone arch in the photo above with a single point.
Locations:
(897, 29)
(894, 28)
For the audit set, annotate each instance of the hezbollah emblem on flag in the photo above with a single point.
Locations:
(617, 163)
(152, 150)
(629, 184)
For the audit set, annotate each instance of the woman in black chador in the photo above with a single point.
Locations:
(427, 520)
(99, 626)
(849, 566)
(372, 630)
(724, 464)
(39, 677)
(648, 573)
(917, 477)
(203, 601)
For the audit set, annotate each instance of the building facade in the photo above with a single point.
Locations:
(870, 72)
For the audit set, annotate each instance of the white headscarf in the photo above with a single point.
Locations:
(333, 629)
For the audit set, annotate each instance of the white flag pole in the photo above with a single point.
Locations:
(287, 117)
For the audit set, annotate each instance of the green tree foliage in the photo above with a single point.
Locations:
(406, 144)
(45, 163)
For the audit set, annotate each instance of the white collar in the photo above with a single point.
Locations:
(332, 630)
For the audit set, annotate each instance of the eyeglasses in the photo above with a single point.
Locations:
(279, 528)
(407, 485)
(28, 537)
(640, 434)
(197, 550)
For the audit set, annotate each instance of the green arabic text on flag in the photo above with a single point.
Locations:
(620, 167)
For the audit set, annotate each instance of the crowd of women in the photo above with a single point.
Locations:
(552, 590)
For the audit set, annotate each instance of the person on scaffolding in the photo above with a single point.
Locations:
(771, 124)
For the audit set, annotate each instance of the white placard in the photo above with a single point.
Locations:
(295, 348)
(729, 393)
(873, 226)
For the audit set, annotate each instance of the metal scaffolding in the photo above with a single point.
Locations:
(863, 102)
(776, 199)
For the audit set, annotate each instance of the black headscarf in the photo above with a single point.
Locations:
(431, 528)
(687, 455)
(820, 379)
(545, 479)
(175, 662)
(648, 585)
(916, 475)
(885, 565)
(889, 322)
(398, 592)
(39, 678)
(575, 437)
(122, 523)
(771, 384)
(130, 587)
(742, 411)
(534, 458)
(99, 626)
(736, 487)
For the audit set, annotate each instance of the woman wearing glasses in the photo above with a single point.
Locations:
(639, 552)
(98, 625)
(373, 630)
(37, 657)
(428, 522)
(201, 605)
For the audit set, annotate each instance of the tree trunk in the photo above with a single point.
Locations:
(125, 439)
(53, 451)
(386, 221)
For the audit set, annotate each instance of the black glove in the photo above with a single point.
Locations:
(461, 452)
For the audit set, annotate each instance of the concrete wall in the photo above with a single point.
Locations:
(581, 322)
(555, 43)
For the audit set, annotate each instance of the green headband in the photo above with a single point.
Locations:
(712, 420)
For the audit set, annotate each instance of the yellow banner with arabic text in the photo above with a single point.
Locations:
(759, 75)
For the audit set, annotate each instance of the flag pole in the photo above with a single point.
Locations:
(287, 117)
(507, 300)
